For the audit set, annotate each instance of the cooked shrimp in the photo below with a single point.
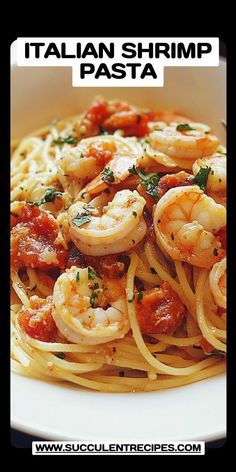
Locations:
(166, 117)
(186, 222)
(128, 152)
(89, 309)
(131, 122)
(120, 227)
(187, 144)
(217, 279)
(80, 164)
(216, 182)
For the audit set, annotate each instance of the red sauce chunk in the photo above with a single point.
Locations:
(110, 116)
(206, 346)
(150, 201)
(111, 266)
(160, 311)
(33, 240)
(37, 320)
(181, 179)
(97, 113)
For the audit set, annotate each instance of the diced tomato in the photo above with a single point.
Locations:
(221, 311)
(160, 310)
(97, 113)
(33, 240)
(150, 201)
(181, 179)
(111, 266)
(108, 266)
(206, 346)
(37, 320)
(222, 236)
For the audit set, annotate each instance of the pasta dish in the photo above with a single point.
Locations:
(118, 250)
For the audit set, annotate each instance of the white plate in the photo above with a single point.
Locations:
(194, 412)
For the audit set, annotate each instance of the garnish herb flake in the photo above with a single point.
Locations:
(149, 181)
(139, 296)
(108, 175)
(201, 177)
(60, 355)
(83, 217)
(50, 195)
(93, 298)
(66, 140)
(184, 127)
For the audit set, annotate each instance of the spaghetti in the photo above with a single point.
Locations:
(118, 255)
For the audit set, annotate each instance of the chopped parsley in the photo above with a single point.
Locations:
(201, 177)
(102, 130)
(184, 127)
(149, 181)
(50, 195)
(83, 217)
(92, 274)
(77, 277)
(139, 296)
(93, 298)
(153, 271)
(61, 355)
(95, 286)
(135, 214)
(81, 220)
(66, 140)
(108, 175)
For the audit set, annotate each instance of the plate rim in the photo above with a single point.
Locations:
(45, 433)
